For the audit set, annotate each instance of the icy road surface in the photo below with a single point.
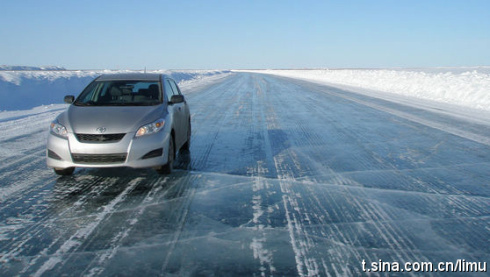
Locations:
(284, 178)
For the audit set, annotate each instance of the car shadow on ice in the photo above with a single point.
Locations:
(84, 194)
(90, 184)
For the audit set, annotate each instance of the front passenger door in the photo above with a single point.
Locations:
(180, 123)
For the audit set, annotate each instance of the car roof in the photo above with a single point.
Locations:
(130, 77)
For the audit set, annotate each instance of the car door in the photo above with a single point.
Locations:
(185, 113)
(179, 111)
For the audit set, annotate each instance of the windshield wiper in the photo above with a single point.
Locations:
(128, 104)
(90, 103)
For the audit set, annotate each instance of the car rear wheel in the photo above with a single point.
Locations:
(64, 171)
(167, 169)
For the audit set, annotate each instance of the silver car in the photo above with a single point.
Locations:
(121, 120)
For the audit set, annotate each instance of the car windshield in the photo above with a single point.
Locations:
(120, 93)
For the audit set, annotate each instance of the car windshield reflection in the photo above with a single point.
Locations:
(120, 93)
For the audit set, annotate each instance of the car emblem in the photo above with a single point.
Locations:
(101, 130)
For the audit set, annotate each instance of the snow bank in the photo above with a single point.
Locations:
(465, 86)
(22, 89)
(20, 67)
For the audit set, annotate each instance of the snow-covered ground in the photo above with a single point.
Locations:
(274, 184)
(23, 88)
(467, 87)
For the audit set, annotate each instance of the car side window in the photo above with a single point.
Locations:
(175, 87)
(168, 90)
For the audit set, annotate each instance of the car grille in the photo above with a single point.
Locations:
(98, 138)
(99, 158)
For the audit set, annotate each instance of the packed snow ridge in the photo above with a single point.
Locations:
(37, 68)
(463, 86)
(23, 87)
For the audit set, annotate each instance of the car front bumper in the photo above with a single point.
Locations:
(146, 151)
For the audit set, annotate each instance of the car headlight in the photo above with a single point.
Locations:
(58, 130)
(151, 128)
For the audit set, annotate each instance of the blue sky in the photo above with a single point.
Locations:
(182, 34)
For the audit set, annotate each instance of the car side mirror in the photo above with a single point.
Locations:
(175, 99)
(69, 99)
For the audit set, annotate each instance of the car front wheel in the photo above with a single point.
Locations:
(187, 144)
(167, 169)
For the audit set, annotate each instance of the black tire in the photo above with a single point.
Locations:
(64, 172)
(187, 144)
(167, 169)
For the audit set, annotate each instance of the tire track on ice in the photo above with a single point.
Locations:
(96, 267)
(306, 265)
(13, 184)
(36, 229)
(76, 240)
(180, 227)
(310, 260)
(23, 149)
(221, 108)
(202, 155)
(304, 208)
(301, 138)
(260, 222)
(260, 186)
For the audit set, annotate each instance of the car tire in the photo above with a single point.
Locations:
(167, 169)
(65, 171)
(187, 144)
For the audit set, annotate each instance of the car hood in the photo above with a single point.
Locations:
(125, 119)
